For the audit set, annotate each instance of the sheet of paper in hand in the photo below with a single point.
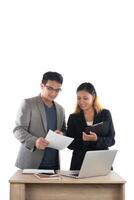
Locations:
(57, 141)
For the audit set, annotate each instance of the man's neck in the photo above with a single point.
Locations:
(47, 102)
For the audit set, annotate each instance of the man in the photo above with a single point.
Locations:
(35, 117)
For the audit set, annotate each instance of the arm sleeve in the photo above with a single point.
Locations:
(71, 132)
(108, 140)
(103, 142)
(22, 126)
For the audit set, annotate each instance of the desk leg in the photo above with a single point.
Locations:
(17, 191)
(123, 192)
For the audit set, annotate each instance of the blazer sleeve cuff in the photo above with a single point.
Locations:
(30, 143)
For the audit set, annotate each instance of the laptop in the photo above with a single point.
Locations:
(95, 163)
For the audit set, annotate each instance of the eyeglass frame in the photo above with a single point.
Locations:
(51, 89)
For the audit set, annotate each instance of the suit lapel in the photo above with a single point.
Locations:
(58, 116)
(40, 105)
(82, 120)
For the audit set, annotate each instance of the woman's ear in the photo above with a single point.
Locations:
(94, 96)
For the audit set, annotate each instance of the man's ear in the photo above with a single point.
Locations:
(42, 85)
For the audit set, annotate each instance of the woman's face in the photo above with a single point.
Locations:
(85, 100)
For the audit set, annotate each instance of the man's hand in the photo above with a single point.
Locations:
(89, 137)
(59, 132)
(41, 143)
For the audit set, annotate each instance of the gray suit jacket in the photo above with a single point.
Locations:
(30, 124)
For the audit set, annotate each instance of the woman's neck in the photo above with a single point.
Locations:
(89, 114)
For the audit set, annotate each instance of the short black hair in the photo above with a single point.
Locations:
(88, 87)
(53, 76)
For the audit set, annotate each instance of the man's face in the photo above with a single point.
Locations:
(50, 90)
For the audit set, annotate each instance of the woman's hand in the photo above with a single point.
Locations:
(89, 137)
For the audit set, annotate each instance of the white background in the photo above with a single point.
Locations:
(84, 41)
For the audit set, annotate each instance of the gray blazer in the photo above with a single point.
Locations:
(30, 124)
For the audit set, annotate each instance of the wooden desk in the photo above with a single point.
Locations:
(28, 187)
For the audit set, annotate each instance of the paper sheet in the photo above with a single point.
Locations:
(58, 141)
(37, 171)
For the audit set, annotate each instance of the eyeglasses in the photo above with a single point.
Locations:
(51, 89)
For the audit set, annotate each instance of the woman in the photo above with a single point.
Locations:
(88, 111)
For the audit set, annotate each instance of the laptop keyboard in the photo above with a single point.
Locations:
(74, 174)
